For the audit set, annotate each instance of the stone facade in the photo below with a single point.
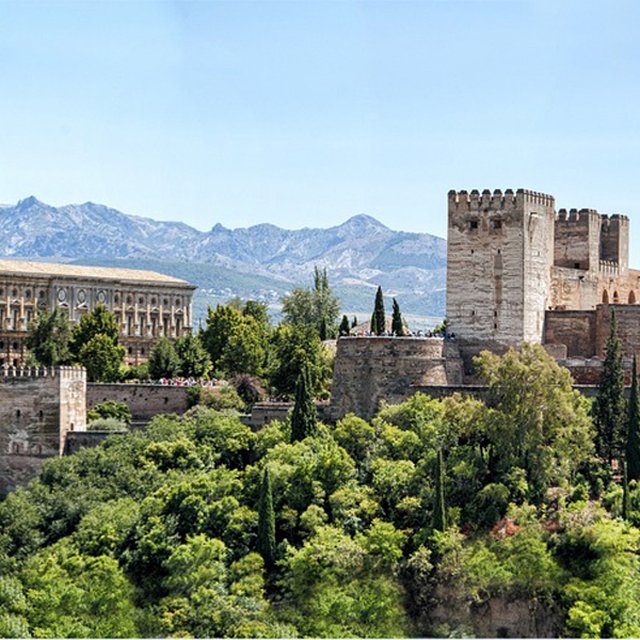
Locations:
(368, 370)
(147, 305)
(38, 408)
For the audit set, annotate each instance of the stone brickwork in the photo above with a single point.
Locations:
(38, 408)
(370, 369)
(144, 400)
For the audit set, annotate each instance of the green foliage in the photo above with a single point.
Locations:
(110, 409)
(295, 346)
(317, 308)
(221, 398)
(609, 407)
(397, 324)
(193, 358)
(378, 319)
(50, 338)
(249, 388)
(235, 342)
(164, 362)
(439, 509)
(632, 449)
(303, 416)
(99, 322)
(107, 424)
(102, 357)
(266, 522)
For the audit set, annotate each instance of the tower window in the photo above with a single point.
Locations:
(496, 224)
(495, 325)
(473, 224)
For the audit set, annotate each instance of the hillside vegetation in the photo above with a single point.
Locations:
(413, 524)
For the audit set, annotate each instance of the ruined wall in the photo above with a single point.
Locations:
(575, 329)
(38, 407)
(370, 369)
(144, 400)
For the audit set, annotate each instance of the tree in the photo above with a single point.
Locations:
(194, 360)
(439, 510)
(316, 307)
(378, 314)
(354, 322)
(102, 358)
(303, 416)
(397, 325)
(633, 428)
(609, 408)
(344, 326)
(164, 361)
(266, 522)
(50, 338)
(235, 342)
(99, 321)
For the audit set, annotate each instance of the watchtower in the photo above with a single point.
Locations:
(500, 249)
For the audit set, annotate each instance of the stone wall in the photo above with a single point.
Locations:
(370, 369)
(575, 329)
(38, 407)
(144, 400)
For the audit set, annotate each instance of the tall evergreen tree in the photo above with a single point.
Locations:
(266, 521)
(303, 416)
(439, 510)
(354, 322)
(378, 312)
(625, 491)
(633, 427)
(374, 324)
(344, 326)
(609, 408)
(397, 326)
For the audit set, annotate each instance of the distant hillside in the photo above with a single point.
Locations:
(263, 261)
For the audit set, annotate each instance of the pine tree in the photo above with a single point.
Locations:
(439, 511)
(266, 522)
(303, 416)
(344, 326)
(397, 326)
(609, 408)
(633, 428)
(378, 312)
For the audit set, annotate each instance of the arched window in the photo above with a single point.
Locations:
(616, 297)
(605, 297)
(632, 297)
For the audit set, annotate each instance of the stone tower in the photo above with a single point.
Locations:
(499, 253)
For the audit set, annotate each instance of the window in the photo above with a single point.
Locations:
(473, 225)
(576, 265)
(496, 224)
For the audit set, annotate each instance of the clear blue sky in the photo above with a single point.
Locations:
(305, 113)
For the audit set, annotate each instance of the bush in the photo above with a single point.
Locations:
(110, 409)
(107, 424)
(249, 388)
(218, 398)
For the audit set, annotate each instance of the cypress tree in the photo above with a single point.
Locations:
(354, 322)
(397, 327)
(344, 326)
(633, 428)
(378, 312)
(303, 416)
(374, 324)
(609, 408)
(439, 511)
(266, 521)
(625, 492)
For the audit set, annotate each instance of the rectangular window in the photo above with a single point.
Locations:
(473, 225)
(496, 224)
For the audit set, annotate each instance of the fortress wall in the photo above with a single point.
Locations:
(628, 321)
(577, 239)
(144, 400)
(370, 369)
(575, 329)
(38, 407)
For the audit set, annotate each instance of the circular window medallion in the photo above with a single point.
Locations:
(82, 296)
(102, 296)
(62, 295)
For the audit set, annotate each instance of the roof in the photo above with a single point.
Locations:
(45, 269)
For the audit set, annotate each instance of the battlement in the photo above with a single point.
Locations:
(613, 220)
(576, 216)
(67, 373)
(498, 200)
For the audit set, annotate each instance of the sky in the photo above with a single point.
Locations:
(307, 113)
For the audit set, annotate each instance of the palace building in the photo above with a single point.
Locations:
(147, 305)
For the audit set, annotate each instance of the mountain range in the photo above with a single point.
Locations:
(262, 261)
